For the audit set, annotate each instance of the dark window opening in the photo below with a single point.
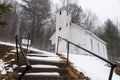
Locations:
(98, 48)
(60, 12)
(91, 44)
(60, 28)
(67, 24)
(67, 13)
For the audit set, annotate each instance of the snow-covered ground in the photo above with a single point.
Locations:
(30, 48)
(91, 66)
(3, 66)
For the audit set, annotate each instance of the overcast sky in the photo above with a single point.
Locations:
(102, 8)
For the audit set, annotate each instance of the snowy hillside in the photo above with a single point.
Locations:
(91, 66)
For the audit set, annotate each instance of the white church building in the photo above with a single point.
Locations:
(76, 34)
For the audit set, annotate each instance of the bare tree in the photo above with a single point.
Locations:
(37, 13)
(77, 13)
(67, 2)
(90, 21)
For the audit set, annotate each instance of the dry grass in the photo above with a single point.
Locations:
(76, 75)
(117, 69)
(3, 51)
(8, 76)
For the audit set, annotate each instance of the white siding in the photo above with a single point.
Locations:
(78, 37)
(99, 47)
(62, 21)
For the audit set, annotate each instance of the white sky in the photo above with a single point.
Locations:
(102, 8)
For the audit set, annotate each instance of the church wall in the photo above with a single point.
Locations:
(96, 46)
(78, 37)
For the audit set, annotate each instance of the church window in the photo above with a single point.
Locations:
(91, 44)
(98, 48)
(60, 28)
(60, 12)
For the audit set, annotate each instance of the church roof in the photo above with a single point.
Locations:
(62, 8)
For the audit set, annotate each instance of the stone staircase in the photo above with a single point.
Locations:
(44, 67)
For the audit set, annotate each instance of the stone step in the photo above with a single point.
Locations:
(59, 64)
(35, 70)
(44, 77)
(39, 56)
(36, 62)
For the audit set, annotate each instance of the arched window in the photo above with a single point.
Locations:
(60, 12)
(60, 28)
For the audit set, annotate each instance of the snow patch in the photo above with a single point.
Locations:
(44, 54)
(14, 50)
(92, 67)
(41, 66)
(3, 72)
(10, 69)
(44, 73)
(1, 65)
(12, 60)
(7, 43)
(4, 69)
(54, 59)
(11, 53)
(14, 66)
(25, 47)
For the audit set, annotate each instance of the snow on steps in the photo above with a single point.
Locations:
(41, 74)
(45, 77)
(61, 71)
(45, 67)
